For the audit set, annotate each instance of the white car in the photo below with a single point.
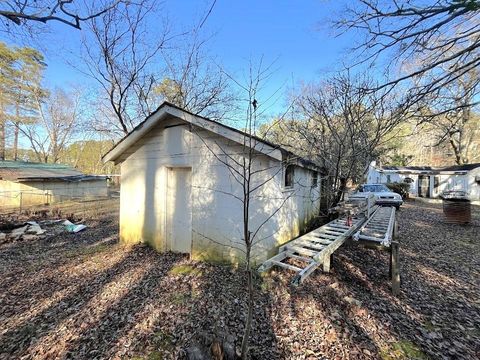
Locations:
(383, 195)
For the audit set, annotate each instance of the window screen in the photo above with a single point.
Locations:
(289, 174)
(314, 179)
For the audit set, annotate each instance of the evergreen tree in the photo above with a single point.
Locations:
(7, 71)
(21, 71)
(28, 70)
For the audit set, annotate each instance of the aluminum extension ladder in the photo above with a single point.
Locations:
(381, 230)
(378, 228)
(314, 248)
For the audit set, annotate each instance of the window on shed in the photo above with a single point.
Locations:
(314, 179)
(389, 179)
(289, 175)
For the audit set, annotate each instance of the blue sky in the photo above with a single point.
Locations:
(295, 35)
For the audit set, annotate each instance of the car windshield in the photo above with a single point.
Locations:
(375, 188)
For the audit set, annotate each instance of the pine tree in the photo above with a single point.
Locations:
(29, 67)
(7, 71)
(21, 71)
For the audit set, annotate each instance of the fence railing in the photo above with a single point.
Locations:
(37, 201)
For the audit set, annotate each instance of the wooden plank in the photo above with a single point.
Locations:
(395, 267)
(326, 264)
(286, 266)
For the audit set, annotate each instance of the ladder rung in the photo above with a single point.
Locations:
(301, 250)
(287, 266)
(327, 236)
(308, 243)
(337, 225)
(316, 239)
(301, 258)
(333, 232)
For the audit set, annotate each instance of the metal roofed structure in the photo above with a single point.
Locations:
(27, 183)
(21, 171)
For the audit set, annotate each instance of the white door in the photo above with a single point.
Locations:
(179, 210)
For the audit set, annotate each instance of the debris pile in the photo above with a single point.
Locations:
(32, 230)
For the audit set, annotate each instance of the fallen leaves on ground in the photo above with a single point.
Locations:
(84, 296)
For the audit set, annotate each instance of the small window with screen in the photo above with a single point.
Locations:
(314, 179)
(289, 175)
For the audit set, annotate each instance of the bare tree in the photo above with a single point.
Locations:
(433, 43)
(459, 127)
(119, 53)
(252, 181)
(68, 12)
(341, 126)
(194, 82)
(59, 119)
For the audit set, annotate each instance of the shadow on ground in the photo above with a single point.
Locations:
(84, 296)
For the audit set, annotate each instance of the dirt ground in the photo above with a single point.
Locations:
(84, 296)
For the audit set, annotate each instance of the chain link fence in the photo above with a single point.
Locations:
(46, 203)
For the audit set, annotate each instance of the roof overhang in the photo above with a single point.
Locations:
(79, 178)
(422, 172)
(166, 111)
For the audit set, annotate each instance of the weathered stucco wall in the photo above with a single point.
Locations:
(14, 194)
(217, 213)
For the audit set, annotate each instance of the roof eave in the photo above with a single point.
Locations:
(166, 110)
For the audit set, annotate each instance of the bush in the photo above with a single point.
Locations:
(400, 188)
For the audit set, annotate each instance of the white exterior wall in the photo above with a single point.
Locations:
(473, 186)
(217, 216)
(447, 181)
(375, 176)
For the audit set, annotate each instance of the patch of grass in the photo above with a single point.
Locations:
(404, 350)
(466, 243)
(429, 326)
(179, 298)
(155, 355)
(266, 284)
(163, 341)
(184, 269)
(195, 293)
(473, 332)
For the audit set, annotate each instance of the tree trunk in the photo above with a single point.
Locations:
(2, 140)
(15, 142)
(458, 158)
(248, 321)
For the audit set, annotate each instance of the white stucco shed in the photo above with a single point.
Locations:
(179, 191)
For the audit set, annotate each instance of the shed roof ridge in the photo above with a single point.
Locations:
(304, 161)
